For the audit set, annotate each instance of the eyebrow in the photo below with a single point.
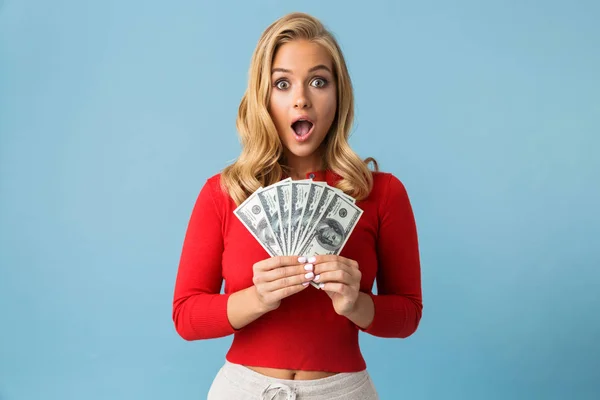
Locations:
(289, 71)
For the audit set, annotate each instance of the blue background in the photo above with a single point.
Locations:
(113, 113)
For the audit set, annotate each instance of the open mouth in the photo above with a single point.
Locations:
(302, 127)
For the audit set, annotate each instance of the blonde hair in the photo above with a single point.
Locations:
(260, 162)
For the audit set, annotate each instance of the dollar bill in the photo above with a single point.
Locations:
(252, 215)
(347, 196)
(300, 191)
(327, 194)
(340, 192)
(333, 227)
(270, 203)
(312, 200)
(284, 199)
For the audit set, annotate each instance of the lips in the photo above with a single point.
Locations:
(302, 126)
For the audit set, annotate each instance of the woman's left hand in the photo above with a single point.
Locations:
(340, 278)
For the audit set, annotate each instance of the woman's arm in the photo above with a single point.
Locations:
(364, 311)
(199, 309)
(398, 303)
(244, 307)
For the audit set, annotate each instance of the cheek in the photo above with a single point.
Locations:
(329, 105)
(276, 111)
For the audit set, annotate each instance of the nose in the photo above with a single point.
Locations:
(302, 101)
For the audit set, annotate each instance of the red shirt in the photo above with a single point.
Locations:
(304, 333)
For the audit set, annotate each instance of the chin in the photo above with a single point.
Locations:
(301, 151)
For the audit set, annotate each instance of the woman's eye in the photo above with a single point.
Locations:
(319, 82)
(282, 85)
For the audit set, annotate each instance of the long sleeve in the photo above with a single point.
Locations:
(199, 310)
(398, 303)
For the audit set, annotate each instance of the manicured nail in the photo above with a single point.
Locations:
(305, 284)
(301, 260)
(308, 267)
(312, 259)
(317, 277)
(321, 285)
(309, 275)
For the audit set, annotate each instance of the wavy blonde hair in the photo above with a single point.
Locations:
(261, 162)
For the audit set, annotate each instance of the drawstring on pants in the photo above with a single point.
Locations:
(278, 388)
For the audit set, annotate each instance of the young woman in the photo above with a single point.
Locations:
(292, 340)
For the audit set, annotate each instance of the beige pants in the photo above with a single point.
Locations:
(236, 382)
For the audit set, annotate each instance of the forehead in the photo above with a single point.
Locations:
(301, 55)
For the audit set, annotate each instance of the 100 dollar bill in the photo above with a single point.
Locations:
(333, 227)
(252, 214)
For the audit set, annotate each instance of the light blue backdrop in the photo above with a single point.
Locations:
(113, 113)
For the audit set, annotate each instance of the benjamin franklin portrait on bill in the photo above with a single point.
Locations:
(330, 234)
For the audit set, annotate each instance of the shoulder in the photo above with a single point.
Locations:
(213, 187)
(389, 192)
(386, 182)
(214, 181)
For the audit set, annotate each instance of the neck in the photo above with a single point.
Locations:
(301, 166)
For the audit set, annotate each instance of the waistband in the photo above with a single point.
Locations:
(336, 384)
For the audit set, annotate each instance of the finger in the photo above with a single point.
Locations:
(339, 276)
(287, 282)
(333, 266)
(283, 272)
(332, 258)
(288, 291)
(276, 262)
(336, 287)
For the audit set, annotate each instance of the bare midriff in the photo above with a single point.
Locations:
(291, 374)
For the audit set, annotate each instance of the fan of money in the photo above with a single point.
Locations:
(302, 218)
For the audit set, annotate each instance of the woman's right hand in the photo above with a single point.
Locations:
(279, 277)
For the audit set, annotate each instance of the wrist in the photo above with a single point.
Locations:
(244, 307)
(256, 305)
(354, 309)
(363, 311)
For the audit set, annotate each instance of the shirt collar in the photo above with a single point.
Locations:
(322, 176)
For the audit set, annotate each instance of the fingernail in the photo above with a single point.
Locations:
(305, 284)
(308, 267)
(321, 285)
(309, 275)
(301, 260)
(317, 277)
(312, 259)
